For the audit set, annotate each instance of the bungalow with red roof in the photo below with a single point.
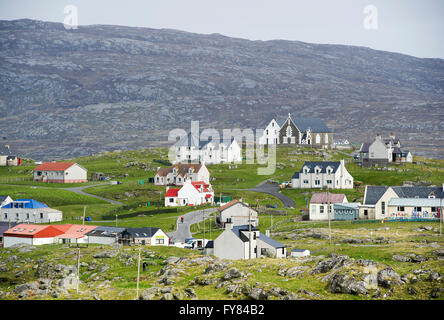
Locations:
(60, 172)
(323, 202)
(32, 234)
(192, 193)
(37, 234)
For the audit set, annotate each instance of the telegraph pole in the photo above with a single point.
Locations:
(328, 213)
(249, 231)
(138, 272)
(203, 217)
(440, 217)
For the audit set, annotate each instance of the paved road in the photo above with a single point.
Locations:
(183, 229)
(78, 190)
(273, 189)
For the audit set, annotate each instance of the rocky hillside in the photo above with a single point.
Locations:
(402, 261)
(67, 93)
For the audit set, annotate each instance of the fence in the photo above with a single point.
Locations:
(7, 180)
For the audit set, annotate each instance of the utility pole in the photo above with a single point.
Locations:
(138, 272)
(249, 231)
(116, 220)
(203, 216)
(440, 217)
(78, 253)
(328, 213)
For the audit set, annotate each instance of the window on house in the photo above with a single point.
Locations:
(317, 182)
(365, 212)
(159, 241)
(401, 209)
(171, 200)
(329, 181)
(418, 209)
(434, 209)
(306, 181)
(6, 216)
(41, 215)
(254, 235)
(383, 207)
(321, 209)
(263, 251)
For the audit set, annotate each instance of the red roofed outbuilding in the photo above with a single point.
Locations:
(323, 202)
(60, 172)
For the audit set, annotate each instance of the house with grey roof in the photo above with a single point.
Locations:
(322, 174)
(147, 236)
(246, 242)
(302, 131)
(383, 151)
(105, 235)
(4, 200)
(192, 149)
(377, 199)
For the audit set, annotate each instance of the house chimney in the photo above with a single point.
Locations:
(228, 224)
(443, 186)
(168, 188)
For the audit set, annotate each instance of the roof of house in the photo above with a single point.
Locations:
(314, 124)
(34, 231)
(3, 198)
(210, 244)
(141, 232)
(228, 205)
(271, 242)
(348, 205)
(322, 197)
(54, 166)
(190, 140)
(181, 169)
(415, 202)
(238, 231)
(172, 192)
(323, 165)
(27, 204)
(75, 231)
(104, 231)
(373, 194)
(365, 147)
(418, 191)
(299, 250)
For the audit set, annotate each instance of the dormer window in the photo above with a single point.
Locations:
(306, 170)
(318, 170)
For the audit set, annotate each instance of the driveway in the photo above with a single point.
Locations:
(273, 189)
(183, 229)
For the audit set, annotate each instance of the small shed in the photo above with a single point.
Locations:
(300, 253)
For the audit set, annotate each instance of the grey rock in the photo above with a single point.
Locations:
(388, 278)
(232, 274)
(343, 283)
(106, 254)
(257, 294)
(398, 257)
(189, 292)
(149, 294)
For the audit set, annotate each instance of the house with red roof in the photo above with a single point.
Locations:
(322, 205)
(32, 234)
(191, 194)
(37, 234)
(60, 172)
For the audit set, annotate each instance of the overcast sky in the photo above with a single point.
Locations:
(414, 27)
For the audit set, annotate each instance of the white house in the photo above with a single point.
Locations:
(178, 173)
(190, 149)
(322, 174)
(147, 236)
(319, 205)
(29, 210)
(31, 234)
(271, 133)
(383, 151)
(60, 172)
(192, 193)
(238, 242)
(237, 213)
(377, 200)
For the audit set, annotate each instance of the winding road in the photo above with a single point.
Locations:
(272, 189)
(183, 229)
